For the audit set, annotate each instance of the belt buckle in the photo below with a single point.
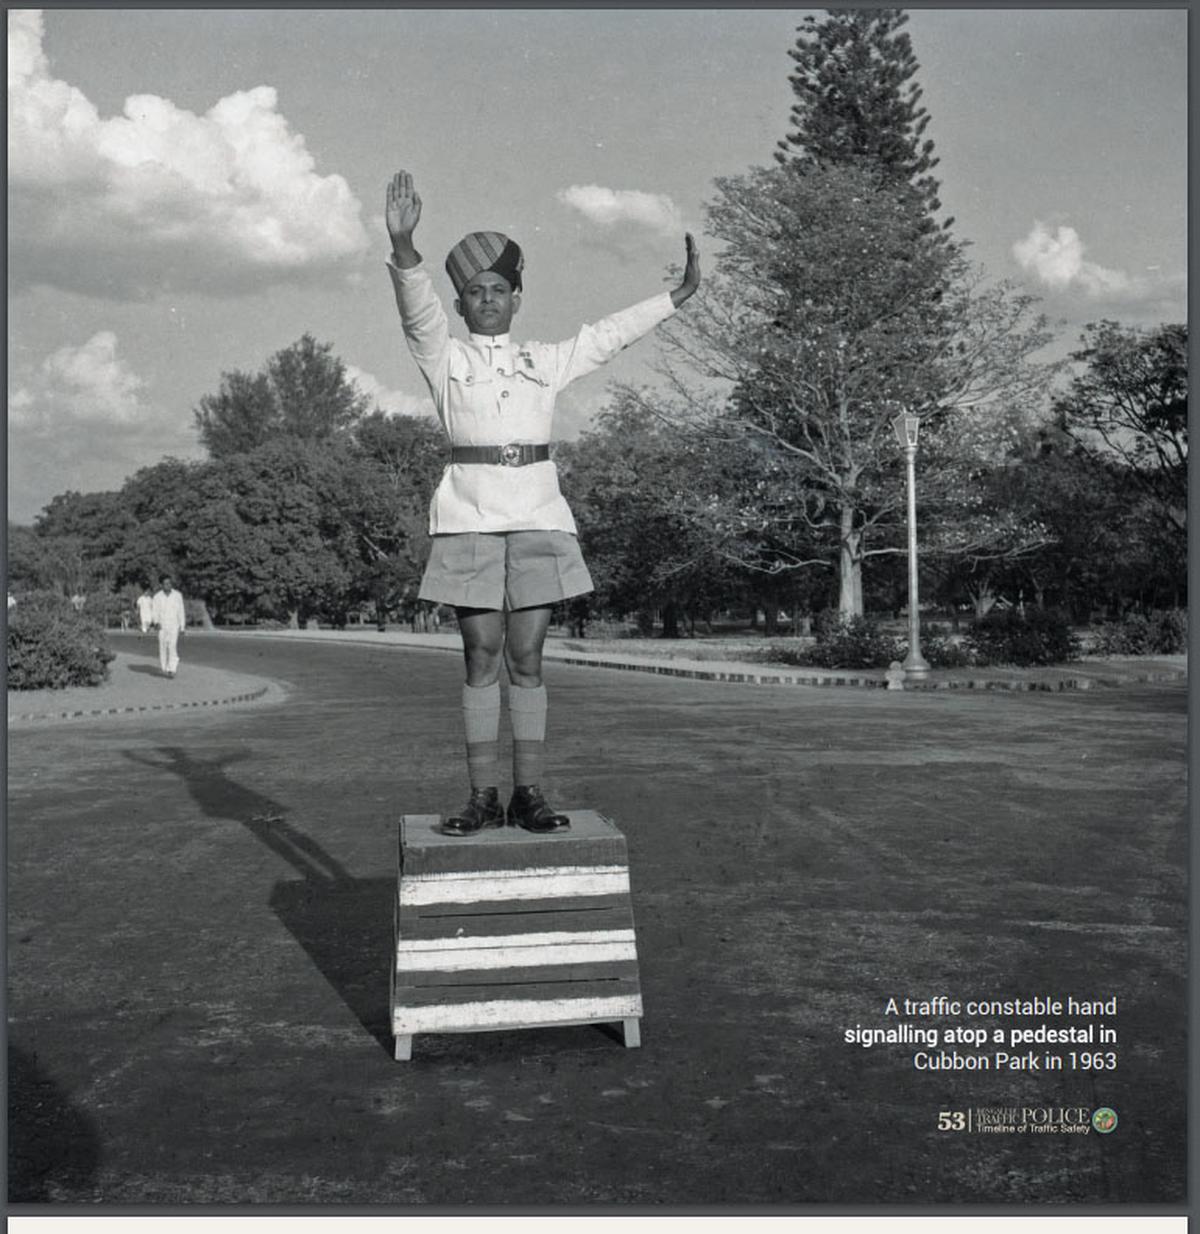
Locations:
(510, 455)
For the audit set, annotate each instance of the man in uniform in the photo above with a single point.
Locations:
(504, 546)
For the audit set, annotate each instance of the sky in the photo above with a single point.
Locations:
(191, 191)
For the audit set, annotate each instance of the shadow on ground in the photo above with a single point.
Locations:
(338, 919)
(53, 1146)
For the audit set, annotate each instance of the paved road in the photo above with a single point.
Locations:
(200, 922)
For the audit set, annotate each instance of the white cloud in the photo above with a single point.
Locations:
(392, 401)
(607, 207)
(1057, 260)
(78, 387)
(82, 419)
(160, 197)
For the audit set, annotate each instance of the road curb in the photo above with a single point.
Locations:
(81, 713)
(748, 675)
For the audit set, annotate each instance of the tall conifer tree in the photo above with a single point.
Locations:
(837, 300)
(856, 99)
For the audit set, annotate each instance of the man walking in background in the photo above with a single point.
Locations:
(168, 615)
(145, 608)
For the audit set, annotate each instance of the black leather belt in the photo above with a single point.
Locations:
(515, 454)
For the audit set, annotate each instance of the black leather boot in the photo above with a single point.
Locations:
(528, 809)
(483, 810)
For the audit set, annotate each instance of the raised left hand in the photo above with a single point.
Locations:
(691, 271)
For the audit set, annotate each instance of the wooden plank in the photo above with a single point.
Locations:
(533, 884)
(470, 917)
(423, 849)
(465, 952)
(484, 979)
(522, 991)
(514, 1013)
(614, 913)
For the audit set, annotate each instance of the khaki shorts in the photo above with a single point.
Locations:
(505, 569)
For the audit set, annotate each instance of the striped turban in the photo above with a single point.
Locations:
(485, 251)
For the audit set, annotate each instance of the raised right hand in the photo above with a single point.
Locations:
(403, 207)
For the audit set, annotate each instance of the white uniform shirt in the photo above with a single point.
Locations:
(490, 391)
(167, 610)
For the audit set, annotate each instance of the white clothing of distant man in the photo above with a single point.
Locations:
(168, 615)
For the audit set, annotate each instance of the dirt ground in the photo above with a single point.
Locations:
(200, 916)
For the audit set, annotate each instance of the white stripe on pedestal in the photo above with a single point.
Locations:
(496, 885)
(529, 953)
(513, 1013)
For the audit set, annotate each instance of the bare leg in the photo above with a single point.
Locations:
(523, 645)
(482, 632)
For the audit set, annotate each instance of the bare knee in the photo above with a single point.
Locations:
(483, 665)
(524, 665)
(483, 647)
(523, 646)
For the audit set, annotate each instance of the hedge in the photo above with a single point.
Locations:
(51, 646)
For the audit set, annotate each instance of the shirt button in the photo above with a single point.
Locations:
(504, 394)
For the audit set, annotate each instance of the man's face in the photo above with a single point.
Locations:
(166, 585)
(487, 304)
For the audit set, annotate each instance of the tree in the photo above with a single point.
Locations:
(302, 392)
(831, 309)
(83, 533)
(402, 461)
(630, 488)
(840, 301)
(1108, 546)
(268, 535)
(856, 102)
(1127, 411)
(159, 500)
(46, 563)
(315, 397)
(241, 416)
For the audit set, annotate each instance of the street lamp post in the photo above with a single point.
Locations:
(907, 425)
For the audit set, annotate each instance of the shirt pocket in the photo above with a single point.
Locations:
(465, 379)
(526, 368)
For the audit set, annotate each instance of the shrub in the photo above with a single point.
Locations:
(941, 651)
(107, 607)
(1161, 633)
(1169, 630)
(1040, 636)
(51, 646)
(856, 643)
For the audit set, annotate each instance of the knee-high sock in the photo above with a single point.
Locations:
(527, 711)
(481, 717)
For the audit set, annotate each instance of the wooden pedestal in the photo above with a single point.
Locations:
(509, 929)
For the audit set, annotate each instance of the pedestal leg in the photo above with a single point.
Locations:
(632, 1031)
(404, 1048)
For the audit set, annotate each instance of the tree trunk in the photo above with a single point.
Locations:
(294, 619)
(984, 600)
(670, 620)
(850, 602)
(206, 621)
